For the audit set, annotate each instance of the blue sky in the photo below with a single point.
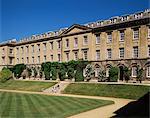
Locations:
(22, 18)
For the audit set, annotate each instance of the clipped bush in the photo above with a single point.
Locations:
(113, 74)
(18, 69)
(5, 75)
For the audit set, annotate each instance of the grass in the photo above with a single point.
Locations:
(118, 91)
(26, 85)
(20, 105)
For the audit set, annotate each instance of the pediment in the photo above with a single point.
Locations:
(75, 29)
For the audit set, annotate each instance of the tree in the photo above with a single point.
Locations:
(79, 70)
(89, 72)
(139, 74)
(113, 74)
(102, 75)
(18, 69)
(5, 75)
(126, 74)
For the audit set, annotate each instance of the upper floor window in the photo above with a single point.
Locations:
(59, 58)
(17, 51)
(3, 60)
(59, 44)
(85, 54)
(97, 38)
(109, 37)
(109, 53)
(27, 61)
(22, 60)
(18, 60)
(135, 52)
(75, 42)
(97, 54)
(135, 33)
(11, 51)
(10, 61)
(51, 45)
(38, 47)
(148, 32)
(3, 51)
(44, 58)
(38, 59)
(27, 49)
(32, 46)
(67, 56)
(122, 35)
(75, 55)
(148, 50)
(121, 50)
(51, 57)
(32, 59)
(44, 48)
(85, 40)
(67, 43)
(22, 50)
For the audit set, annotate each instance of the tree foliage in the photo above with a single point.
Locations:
(5, 75)
(113, 74)
(18, 69)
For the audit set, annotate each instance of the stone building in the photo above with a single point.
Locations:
(119, 41)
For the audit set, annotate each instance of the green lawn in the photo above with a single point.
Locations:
(26, 85)
(119, 91)
(19, 105)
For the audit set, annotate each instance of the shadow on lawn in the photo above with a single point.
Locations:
(136, 109)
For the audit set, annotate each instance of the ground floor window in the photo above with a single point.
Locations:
(134, 71)
(148, 71)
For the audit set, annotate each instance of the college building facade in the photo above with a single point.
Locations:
(119, 41)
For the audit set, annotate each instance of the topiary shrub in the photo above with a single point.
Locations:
(113, 74)
(18, 69)
(5, 75)
(126, 73)
(79, 75)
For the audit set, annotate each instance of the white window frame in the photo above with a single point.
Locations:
(59, 44)
(75, 42)
(97, 38)
(67, 43)
(148, 51)
(109, 53)
(51, 45)
(52, 57)
(44, 47)
(122, 35)
(45, 58)
(134, 67)
(33, 60)
(148, 71)
(135, 34)
(109, 37)
(121, 52)
(135, 52)
(38, 47)
(85, 54)
(97, 54)
(148, 32)
(85, 40)
(67, 56)
(75, 55)
(38, 59)
(32, 48)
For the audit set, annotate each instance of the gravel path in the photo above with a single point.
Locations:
(102, 112)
